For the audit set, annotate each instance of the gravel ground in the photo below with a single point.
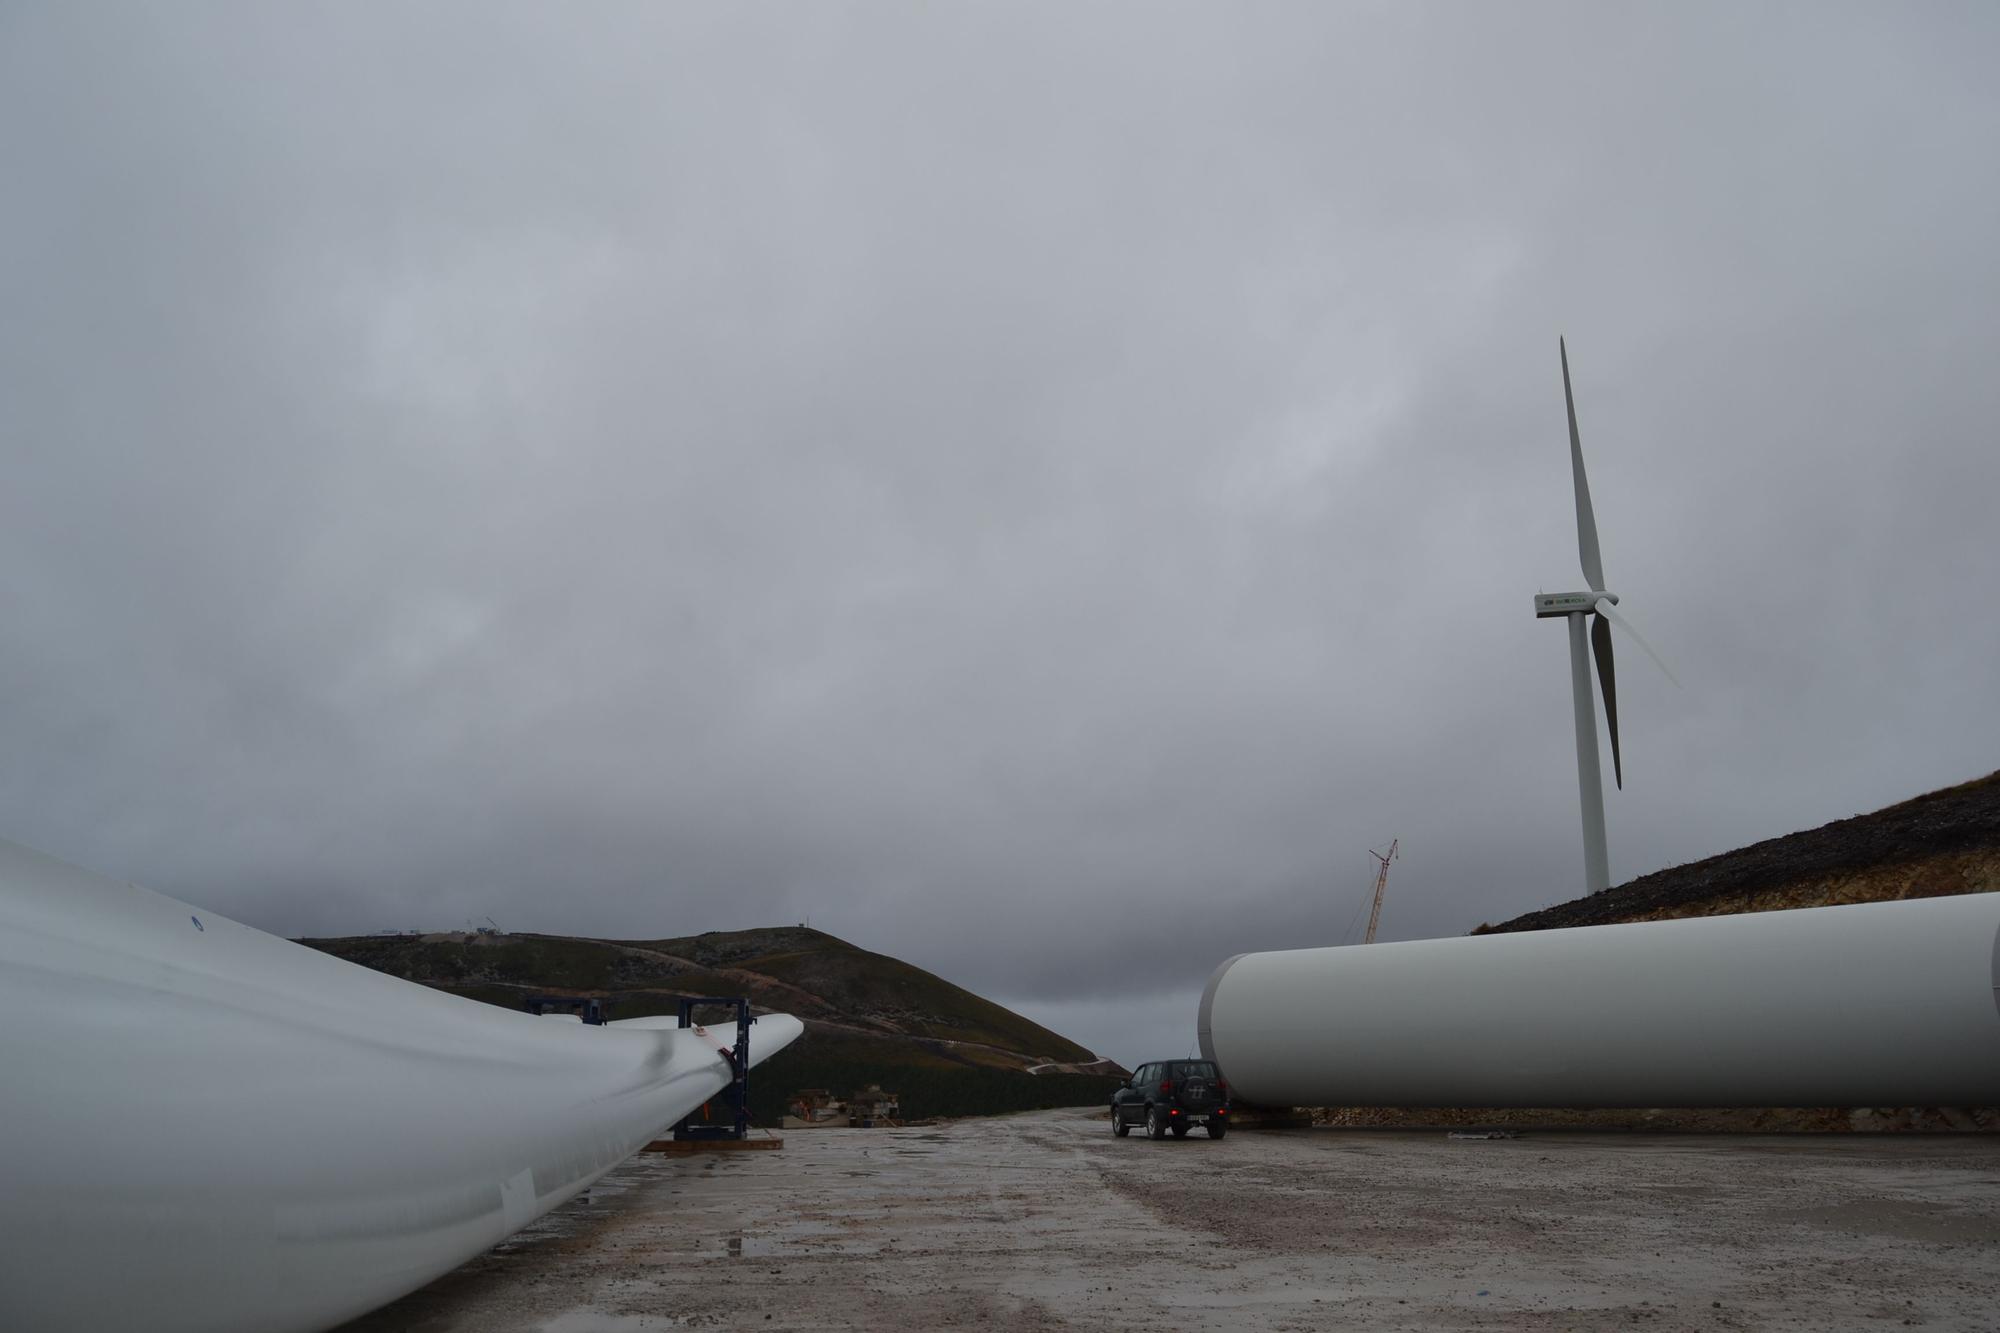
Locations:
(1045, 1221)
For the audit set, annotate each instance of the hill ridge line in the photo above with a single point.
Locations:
(1936, 844)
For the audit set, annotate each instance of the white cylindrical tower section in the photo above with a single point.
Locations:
(1876, 1004)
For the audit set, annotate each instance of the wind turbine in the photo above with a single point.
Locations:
(1574, 607)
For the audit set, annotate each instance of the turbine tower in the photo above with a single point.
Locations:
(1574, 607)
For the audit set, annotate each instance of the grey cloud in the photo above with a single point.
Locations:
(1025, 488)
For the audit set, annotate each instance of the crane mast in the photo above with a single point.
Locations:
(1381, 883)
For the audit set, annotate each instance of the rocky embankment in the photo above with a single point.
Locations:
(1942, 843)
(1670, 1120)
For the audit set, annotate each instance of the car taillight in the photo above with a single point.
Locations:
(1222, 1085)
(1166, 1085)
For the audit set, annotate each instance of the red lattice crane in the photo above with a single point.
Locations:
(1381, 883)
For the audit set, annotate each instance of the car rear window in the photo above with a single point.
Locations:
(1193, 1069)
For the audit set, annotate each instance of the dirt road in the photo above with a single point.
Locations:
(1044, 1221)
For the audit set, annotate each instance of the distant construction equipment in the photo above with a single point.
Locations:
(867, 1109)
(1381, 883)
(872, 1106)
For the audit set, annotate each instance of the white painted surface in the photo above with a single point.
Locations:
(1879, 1004)
(204, 1127)
(1589, 773)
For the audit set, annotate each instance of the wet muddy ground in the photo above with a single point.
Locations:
(1045, 1221)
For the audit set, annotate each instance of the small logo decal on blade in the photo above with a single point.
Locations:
(197, 924)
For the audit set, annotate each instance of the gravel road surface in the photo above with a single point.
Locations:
(1045, 1221)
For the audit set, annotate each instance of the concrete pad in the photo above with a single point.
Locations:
(1045, 1221)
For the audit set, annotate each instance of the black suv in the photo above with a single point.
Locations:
(1172, 1096)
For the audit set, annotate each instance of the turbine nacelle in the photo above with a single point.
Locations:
(1554, 604)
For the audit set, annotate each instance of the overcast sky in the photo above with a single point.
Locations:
(1038, 490)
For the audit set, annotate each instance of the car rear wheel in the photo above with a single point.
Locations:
(1217, 1128)
(1156, 1123)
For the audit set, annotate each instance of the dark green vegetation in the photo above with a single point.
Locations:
(869, 1018)
(843, 1064)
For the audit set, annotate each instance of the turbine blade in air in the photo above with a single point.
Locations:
(1604, 609)
(1586, 519)
(1607, 679)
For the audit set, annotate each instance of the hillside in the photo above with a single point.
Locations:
(869, 1018)
(1942, 843)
